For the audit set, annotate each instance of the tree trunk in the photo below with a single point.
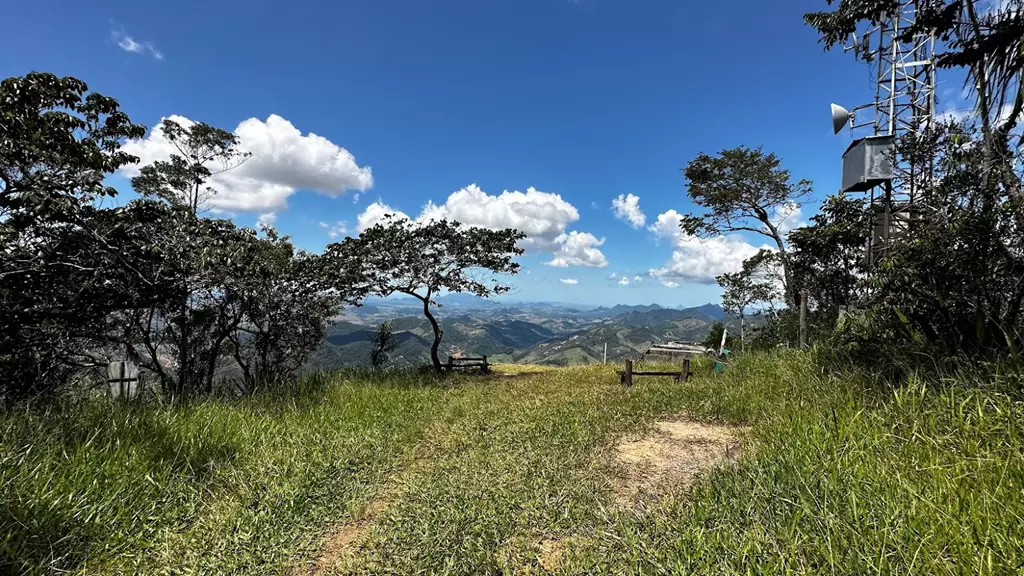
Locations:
(787, 279)
(437, 332)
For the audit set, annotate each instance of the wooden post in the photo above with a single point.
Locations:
(451, 363)
(686, 370)
(605, 361)
(803, 318)
(627, 377)
(486, 369)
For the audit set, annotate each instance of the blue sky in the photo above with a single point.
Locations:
(413, 101)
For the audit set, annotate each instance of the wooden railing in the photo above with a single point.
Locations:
(626, 376)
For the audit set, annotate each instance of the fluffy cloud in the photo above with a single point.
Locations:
(375, 213)
(578, 249)
(624, 281)
(788, 217)
(267, 219)
(700, 260)
(637, 278)
(283, 161)
(129, 44)
(568, 281)
(627, 208)
(667, 225)
(543, 216)
(669, 284)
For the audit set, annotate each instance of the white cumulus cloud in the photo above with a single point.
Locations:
(669, 284)
(267, 218)
(637, 279)
(666, 225)
(568, 281)
(627, 208)
(283, 161)
(624, 281)
(543, 216)
(578, 249)
(375, 213)
(700, 260)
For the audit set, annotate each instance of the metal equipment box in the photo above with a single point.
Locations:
(867, 163)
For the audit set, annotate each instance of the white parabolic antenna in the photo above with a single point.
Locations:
(839, 117)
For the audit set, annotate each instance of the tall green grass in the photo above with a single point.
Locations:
(207, 487)
(841, 475)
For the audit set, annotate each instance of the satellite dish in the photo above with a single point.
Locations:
(839, 117)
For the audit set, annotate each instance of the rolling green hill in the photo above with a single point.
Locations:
(537, 335)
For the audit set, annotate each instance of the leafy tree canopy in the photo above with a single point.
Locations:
(422, 259)
(743, 190)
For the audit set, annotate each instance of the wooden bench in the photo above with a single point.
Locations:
(626, 376)
(468, 362)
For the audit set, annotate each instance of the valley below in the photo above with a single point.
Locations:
(524, 333)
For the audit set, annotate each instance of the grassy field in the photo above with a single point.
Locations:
(485, 475)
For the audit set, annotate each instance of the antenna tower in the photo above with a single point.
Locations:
(904, 79)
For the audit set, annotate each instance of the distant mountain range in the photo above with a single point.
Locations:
(536, 333)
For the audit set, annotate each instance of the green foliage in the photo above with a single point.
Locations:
(285, 306)
(63, 264)
(714, 337)
(383, 342)
(422, 259)
(178, 294)
(753, 284)
(743, 190)
(829, 256)
(954, 288)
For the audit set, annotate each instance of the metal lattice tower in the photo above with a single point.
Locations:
(904, 79)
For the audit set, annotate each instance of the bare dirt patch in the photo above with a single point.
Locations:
(553, 552)
(671, 458)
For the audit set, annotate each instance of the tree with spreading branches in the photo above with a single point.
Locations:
(398, 256)
(744, 190)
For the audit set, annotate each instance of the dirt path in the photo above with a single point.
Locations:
(666, 460)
